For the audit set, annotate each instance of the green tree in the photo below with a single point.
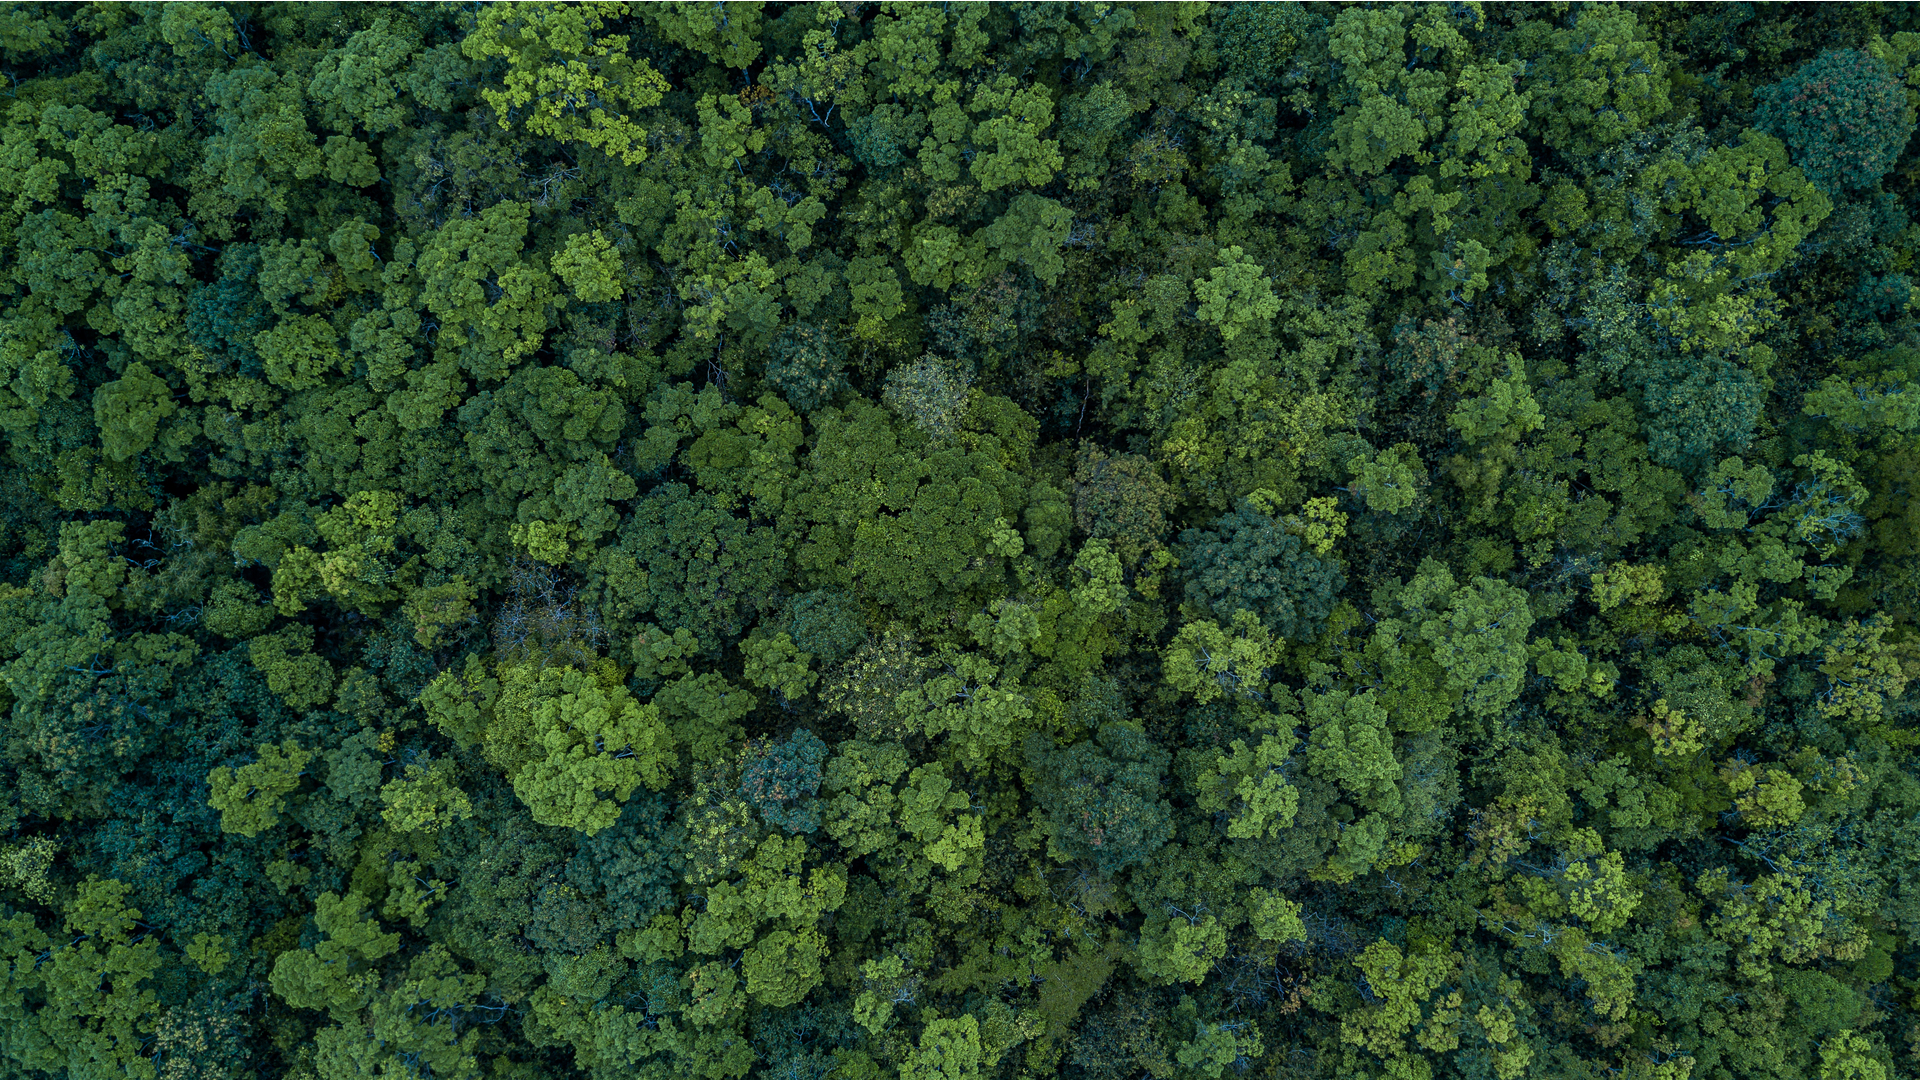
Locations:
(1475, 635)
(1101, 796)
(684, 559)
(946, 1050)
(1411, 1002)
(335, 974)
(590, 267)
(130, 409)
(424, 798)
(912, 530)
(1246, 560)
(1122, 498)
(564, 738)
(250, 798)
(1843, 116)
(359, 85)
(1181, 948)
(91, 1013)
(1600, 80)
(1236, 295)
(569, 83)
(491, 302)
(1251, 784)
(293, 671)
(1210, 662)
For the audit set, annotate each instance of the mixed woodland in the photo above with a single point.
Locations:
(959, 541)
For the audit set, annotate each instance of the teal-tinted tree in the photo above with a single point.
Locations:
(1844, 117)
(807, 366)
(1247, 561)
(780, 779)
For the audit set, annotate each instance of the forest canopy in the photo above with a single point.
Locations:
(959, 541)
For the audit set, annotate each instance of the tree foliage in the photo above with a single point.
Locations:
(964, 541)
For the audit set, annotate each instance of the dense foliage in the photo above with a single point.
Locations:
(959, 541)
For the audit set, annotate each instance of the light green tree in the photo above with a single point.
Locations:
(1210, 662)
(574, 744)
(1177, 948)
(1250, 783)
(250, 798)
(590, 267)
(130, 409)
(567, 82)
(1236, 296)
(946, 1050)
(336, 974)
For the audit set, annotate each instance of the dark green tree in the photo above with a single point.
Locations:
(1103, 796)
(687, 562)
